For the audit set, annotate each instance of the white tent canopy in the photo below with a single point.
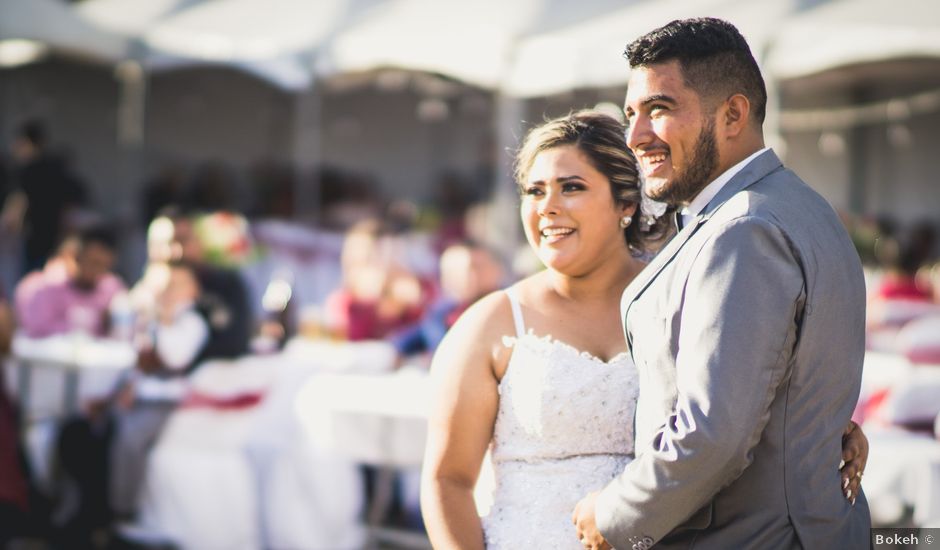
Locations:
(130, 18)
(245, 30)
(848, 32)
(274, 39)
(590, 54)
(787, 41)
(523, 48)
(58, 26)
(470, 41)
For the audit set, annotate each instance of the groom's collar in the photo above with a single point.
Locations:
(708, 193)
(762, 165)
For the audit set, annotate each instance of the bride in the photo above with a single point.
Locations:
(540, 374)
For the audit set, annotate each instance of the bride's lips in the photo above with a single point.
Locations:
(554, 234)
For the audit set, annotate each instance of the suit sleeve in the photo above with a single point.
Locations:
(738, 327)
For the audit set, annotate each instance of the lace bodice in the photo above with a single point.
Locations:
(564, 428)
(558, 402)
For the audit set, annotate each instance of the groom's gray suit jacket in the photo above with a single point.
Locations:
(748, 334)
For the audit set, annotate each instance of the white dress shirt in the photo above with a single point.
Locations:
(708, 193)
(179, 343)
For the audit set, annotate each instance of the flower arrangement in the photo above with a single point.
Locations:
(225, 237)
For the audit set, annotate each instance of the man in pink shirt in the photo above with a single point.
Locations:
(79, 303)
(59, 268)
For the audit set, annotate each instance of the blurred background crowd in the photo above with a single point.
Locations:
(232, 233)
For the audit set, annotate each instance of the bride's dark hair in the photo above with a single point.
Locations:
(602, 140)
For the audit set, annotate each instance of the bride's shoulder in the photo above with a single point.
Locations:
(491, 313)
(477, 337)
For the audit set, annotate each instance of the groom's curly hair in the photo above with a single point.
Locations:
(601, 138)
(715, 59)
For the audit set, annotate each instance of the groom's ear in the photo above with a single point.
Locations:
(734, 115)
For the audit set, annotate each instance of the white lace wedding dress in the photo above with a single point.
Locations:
(564, 428)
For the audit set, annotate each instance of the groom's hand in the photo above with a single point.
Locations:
(583, 519)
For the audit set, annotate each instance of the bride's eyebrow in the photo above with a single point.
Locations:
(561, 179)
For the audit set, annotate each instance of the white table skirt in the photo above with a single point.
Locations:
(254, 477)
(903, 470)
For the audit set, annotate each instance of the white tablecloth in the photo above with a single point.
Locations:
(903, 471)
(374, 419)
(96, 363)
(51, 377)
(254, 477)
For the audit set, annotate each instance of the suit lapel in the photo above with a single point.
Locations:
(648, 275)
(765, 163)
(761, 166)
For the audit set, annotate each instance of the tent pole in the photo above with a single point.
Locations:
(503, 227)
(307, 152)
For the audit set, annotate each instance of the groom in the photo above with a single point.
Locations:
(747, 329)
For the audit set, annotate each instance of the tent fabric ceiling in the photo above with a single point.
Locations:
(59, 26)
(590, 54)
(851, 32)
(245, 30)
(523, 48)
(130, 18)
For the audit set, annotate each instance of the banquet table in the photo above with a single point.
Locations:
(902, 474)
(375, 419)
(253, 475)
(53, 375)
(51, 378)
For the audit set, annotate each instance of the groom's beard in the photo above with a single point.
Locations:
(696, 173)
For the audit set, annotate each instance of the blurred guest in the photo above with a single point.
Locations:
(898, 295)
(378, 295)
(902, 257)
(273, 186)
(103, 453)
(180, 336)
(931, 277)
(180, 328)
(43, 194)
(6, 327)
(14, 492)
(213, 187)
(80, 302)
(59, 269)
(453, 197)
(224, 293)
(276, 325)
(10, 249)
(163, 191)
(196, 312)
(347, 198)
(468, 271)
(5, 182)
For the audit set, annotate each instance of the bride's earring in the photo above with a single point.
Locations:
(625, 222)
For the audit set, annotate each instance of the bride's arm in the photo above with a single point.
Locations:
(855, 456)
(460, 425)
